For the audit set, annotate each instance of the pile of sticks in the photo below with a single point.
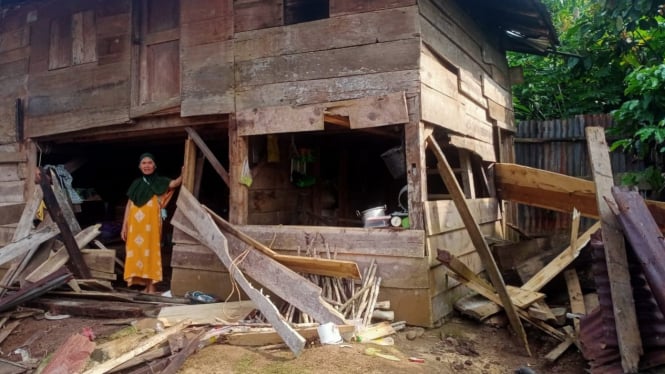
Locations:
(355, 302)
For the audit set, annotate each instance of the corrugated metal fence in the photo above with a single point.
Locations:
(560, 146)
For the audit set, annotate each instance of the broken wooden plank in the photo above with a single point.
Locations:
(262, 338)
(375, 331)
(209, 155)
(31, 292)
(148, 356)
(575, 296)
(462, 273)
(146, 345)
(476, 306)
(25, 244)
(478, 240)
(555, 353)
(559, 263)
(285, 283)
(61, 255)
(628, 332)
(210, 236)
(99, 259)
(179, 358)
(80, 269)
(554, 191)
(302, 264)
(91, 308)
(201, 314)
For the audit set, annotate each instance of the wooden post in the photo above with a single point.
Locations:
(239, 194)
(80, 269)
(467, 174)
(416, 172)
(190, 164)
(478, 240)
(628, 332)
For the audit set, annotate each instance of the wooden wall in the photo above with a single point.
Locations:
(78, 79)
(465, 86)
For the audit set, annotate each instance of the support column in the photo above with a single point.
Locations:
(238, 192)
(416, 169)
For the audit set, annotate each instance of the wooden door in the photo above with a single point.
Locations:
(156, 67)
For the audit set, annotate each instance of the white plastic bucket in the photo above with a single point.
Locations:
(329, 333)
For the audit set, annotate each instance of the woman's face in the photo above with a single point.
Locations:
(147, 166)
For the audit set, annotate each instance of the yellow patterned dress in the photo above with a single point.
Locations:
(143, 257)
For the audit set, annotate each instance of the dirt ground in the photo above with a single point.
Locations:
(459, 345)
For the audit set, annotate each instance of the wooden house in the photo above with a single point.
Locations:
(315, 111)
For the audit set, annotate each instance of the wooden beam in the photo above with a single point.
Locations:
(80, 269)
(239, 194)
(210, 236)
(559, 263)
(478, 240)
(628, 332)
(554, 191)
(201, 314)
(190, 164)
(311, 265)
(465, 275)
(209, 155)
(285, 283)
(143, 347)
(575, 296)
(23, 245)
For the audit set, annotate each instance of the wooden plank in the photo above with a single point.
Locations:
(303, 294)
(311, 265)
(238, 155)
(256, 14)
(80, 269)
(84, 37)
(23, 245)
(61, 255)
(261, 338)
(13, 157)
(352, 30)
(340, 240)
(441, 216)
(207, 78)
(549, 190)
(484, 150)
(628, 333)
(367, 112)
(343, 7)
(298, 93)
(478, 240)
(523, 298)
(143, 347)
(575, 296)
(99, 259)
(437, 74)
(202, 314)
(477, 307)
(71, 356)
(189, 164)
(219, 168)
(472, 281)
(214, 239)
(283, 119)
(11, 213)
(471, 87)
(560, 262)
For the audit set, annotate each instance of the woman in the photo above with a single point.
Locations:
(142, 225)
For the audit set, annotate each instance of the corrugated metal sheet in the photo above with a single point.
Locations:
(597, 329)
(560, 146)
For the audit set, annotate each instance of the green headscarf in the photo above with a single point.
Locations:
(143, 188)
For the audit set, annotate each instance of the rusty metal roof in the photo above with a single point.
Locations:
(526, 24)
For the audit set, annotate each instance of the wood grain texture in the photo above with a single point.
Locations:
(628, 333)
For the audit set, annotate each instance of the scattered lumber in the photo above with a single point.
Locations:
(628, 332)
(375, 331)
(67, 226)
(143, 347)
(282, 281)
(478, 240)
(25, 244)
(215, 240)
(268, 336)
(91, 308)
(27, 293)
(202, 314)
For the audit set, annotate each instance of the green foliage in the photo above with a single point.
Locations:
(620, 69)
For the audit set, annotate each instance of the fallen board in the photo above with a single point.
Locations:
(90, 308)
(201, 314)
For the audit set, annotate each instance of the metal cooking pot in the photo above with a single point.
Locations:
(366, 215)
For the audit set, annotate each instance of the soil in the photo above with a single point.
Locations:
(458, 345)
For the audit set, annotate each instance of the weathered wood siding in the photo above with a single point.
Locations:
(371, 54)
(78, 79)
(207, 57)
(464, 78)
